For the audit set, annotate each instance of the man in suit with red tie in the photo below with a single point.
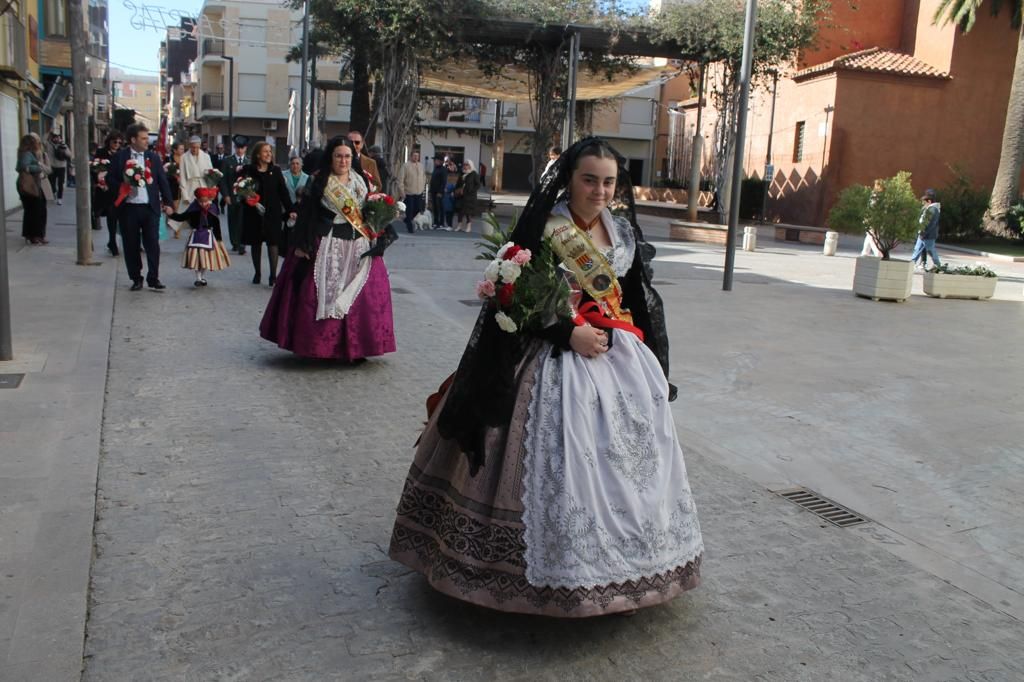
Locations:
(138, 208)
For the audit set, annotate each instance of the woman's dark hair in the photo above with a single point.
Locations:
(323, 171)
(254, 157)
(111, 136)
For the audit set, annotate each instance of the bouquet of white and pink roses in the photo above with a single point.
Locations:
(99, 167)
(136, 176)
(245, 187)
(526, 288)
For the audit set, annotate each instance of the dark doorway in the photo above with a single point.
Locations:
(516, 170)
(636, 172)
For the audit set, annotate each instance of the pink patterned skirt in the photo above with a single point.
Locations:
(290, 318)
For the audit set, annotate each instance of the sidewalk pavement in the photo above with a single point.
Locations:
(245, 497)
(49, 448)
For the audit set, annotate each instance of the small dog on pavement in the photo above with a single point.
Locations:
(422, 220)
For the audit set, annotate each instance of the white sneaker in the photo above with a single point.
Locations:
(60, 202)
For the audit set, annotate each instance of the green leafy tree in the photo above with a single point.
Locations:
(1006, 189)
(712, 31)
(394, 39)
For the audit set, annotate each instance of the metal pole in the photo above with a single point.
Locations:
(6, 349)
(769, 167)
(574, 65)
(314, 110)
(302, 78)
(696, 156)
(741, 134)
(231, 100)
(80, 102)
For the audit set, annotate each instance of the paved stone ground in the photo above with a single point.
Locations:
(246, 500)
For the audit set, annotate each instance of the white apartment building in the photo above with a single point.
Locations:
(249, 42)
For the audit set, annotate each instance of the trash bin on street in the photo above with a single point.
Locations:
(831, 243)
(749, 238)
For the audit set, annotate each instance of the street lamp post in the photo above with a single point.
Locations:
(741, 135)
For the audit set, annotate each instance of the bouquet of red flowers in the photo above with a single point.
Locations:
(212, 177)
(135, 177)
(379, 210)
(245, 187)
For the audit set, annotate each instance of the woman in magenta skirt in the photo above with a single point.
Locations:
(332, 298)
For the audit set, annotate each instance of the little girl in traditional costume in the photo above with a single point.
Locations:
(204, 250)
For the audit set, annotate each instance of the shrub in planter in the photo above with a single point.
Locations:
(890, 215)
(962, 282)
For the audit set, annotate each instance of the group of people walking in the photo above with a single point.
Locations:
(548, 478)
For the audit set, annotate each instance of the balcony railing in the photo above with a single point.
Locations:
(213, 46)
(13, 55)
(213, 101)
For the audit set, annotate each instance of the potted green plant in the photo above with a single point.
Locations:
(890, 216)
(963, 282)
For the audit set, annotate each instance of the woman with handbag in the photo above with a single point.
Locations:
(32, 169)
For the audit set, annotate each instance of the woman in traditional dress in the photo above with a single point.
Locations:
(549, 479)
(333, 297)
(262, 222)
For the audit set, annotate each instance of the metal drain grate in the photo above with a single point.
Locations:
(662, 283)
(833, 512)
(11, 380)
(400, 290)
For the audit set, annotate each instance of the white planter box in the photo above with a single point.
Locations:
(940, 285)
(885, 280)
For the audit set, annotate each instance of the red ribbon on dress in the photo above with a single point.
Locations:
(590, 313)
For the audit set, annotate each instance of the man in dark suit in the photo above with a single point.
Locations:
(232, 167)
(138, 212)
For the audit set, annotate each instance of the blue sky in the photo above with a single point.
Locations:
(135, 40)
(134, 48)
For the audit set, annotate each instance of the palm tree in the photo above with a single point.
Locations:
(1006, 189)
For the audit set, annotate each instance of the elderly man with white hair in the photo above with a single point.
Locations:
(194, 163)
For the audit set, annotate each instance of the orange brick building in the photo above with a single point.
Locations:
(884, 91)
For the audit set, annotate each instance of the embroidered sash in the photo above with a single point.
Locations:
(595, 274)
(339, 199)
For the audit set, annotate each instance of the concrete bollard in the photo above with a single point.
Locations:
(749, 238)
(831, 243)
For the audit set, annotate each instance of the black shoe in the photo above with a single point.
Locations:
(203, 282)
(137, 285)
(112, 250)
(197, 283)
(158, 285)
(256, 278)
(272, 280)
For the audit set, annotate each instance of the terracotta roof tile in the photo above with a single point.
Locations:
(876, 60)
